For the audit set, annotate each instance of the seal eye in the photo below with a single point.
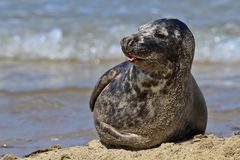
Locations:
(159, 35)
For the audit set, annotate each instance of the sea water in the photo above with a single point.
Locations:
(53, 52)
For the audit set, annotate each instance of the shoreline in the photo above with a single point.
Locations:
(199, 148)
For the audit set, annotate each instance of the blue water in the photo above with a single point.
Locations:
(91, 30)
(53, 52)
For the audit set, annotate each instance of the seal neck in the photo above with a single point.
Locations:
(142, 81)
(145, 79)
(136, 71)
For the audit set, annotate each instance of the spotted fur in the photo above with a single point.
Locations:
(154, 98)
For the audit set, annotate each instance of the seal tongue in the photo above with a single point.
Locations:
(131, 58)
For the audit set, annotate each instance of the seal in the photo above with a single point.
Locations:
(152, 97)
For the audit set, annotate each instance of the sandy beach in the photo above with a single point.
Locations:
(201, 147)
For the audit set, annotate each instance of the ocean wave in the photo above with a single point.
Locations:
(57, 44)
(219, 50)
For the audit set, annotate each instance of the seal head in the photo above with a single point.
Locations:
(159, 44)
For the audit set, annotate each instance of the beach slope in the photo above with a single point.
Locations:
(201, 147)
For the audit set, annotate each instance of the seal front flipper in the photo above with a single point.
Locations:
(104, 80)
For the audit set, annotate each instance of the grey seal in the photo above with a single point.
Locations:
(152, 97)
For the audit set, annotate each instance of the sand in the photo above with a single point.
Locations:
(201, 147)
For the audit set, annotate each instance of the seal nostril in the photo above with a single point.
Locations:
(125, 42)
(130, 42)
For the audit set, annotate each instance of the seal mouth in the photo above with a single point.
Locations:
(131, 59)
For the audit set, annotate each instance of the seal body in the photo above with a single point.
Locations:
(151, 98)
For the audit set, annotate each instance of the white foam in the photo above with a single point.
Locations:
(55, 44)
(219, 49)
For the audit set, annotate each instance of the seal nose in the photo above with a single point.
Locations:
(129, 41)
(126, 41)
